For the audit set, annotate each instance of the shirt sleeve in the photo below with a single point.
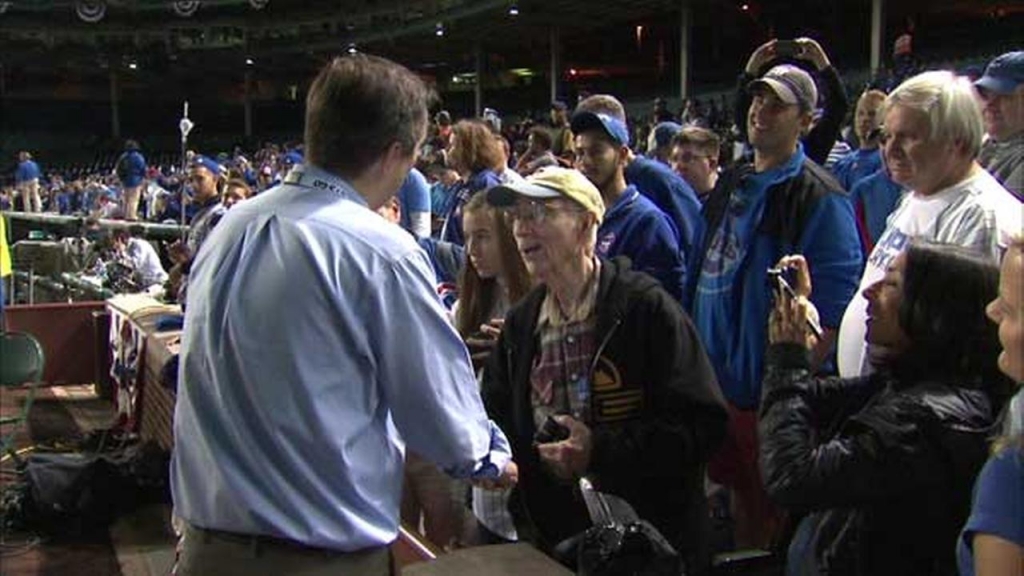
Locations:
(832, 247)
(427, 379)
(999, 498)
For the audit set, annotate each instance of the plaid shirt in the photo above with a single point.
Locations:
(560, 377)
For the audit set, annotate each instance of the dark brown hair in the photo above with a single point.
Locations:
(357, 107)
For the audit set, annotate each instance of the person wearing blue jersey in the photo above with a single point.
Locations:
(867, 158)
(414, 198)
(781, 203)
(26, 180)
(632, 226)
(131, 172)
(659, 184)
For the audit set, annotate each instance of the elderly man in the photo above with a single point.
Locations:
(609, 355)
(315, 350)
(932, 136)
(1002, 91)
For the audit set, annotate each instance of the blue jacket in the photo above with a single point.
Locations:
(131, 168)
(634, 227)
(856, 166)
(673, 196)
(27, 170)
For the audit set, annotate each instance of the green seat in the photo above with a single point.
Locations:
(21, 364)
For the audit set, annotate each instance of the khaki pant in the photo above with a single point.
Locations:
(131, 202)
(210, 552)
(30, 201)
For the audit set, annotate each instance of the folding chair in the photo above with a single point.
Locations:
(21, 363)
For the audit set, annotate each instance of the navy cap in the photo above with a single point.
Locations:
(1003, 74)
(664, 132)
(212, 165)
(613, 127)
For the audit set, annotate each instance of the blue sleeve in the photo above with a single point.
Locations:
(674, 196)
(655, 251)
(415, 193)
(999, 498)
(832, 247)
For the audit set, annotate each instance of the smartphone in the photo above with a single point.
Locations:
(787, 48)
(782, 286)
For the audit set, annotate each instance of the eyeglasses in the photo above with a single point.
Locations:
(534, 211)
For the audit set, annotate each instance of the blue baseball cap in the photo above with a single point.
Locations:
(1003, 74)
(210, 164)
(664, 132)
(613, 127)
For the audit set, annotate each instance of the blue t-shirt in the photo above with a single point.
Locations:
(733, 298)
(876, 197)
(636, 228)
(856, 166)
(998, 505)
(451, 231)
(414, 196)
(27, 170)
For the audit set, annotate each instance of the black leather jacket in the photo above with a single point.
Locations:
(884, 466)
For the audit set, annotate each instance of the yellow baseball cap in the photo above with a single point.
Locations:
(551, 182)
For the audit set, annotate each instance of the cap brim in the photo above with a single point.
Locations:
(583, 121)
(506, 194)
(997, 85)
(780, 89)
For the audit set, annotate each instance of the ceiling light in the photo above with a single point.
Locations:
(249, 62)
(352, 49)
(133, 66)
(439, 29)
(513, 10)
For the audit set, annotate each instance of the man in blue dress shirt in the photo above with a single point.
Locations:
(315, 349)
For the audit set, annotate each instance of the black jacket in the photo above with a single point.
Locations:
(884, 466)
(649, 356)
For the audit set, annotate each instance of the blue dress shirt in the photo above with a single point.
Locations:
(315, 348)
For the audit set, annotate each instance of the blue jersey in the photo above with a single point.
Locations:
(733, 298)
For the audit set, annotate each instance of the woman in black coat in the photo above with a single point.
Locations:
(881, 467)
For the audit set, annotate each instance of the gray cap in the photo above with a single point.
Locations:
(791, 84)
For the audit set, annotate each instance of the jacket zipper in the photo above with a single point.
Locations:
(593, 363)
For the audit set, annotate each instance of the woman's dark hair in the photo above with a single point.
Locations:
(477, 295)
(945, 291)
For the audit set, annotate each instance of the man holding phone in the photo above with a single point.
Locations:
(805, 53)
(781, 203)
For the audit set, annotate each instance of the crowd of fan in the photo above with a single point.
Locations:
(687, 210)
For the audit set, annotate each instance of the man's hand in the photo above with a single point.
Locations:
(811, 51)
(569, 458)
(509, 477)
(764, 54)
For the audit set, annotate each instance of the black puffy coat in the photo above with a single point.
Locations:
(882, 466)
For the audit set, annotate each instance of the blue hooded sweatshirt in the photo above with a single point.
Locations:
(634, 227)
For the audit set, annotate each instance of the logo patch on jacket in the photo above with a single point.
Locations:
(612, 401)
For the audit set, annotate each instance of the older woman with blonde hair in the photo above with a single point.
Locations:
(993, 539)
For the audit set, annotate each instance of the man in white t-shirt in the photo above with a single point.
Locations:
(932, 136)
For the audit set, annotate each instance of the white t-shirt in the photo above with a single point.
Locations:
(146, 262)
(978, 214)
